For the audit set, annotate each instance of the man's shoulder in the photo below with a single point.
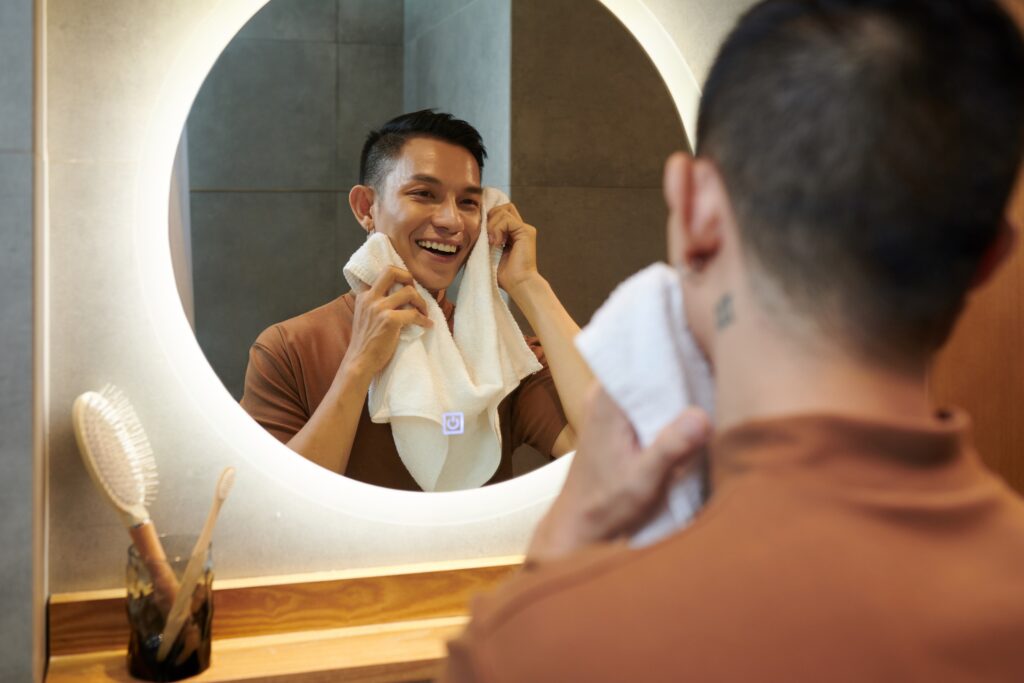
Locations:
(609, 573)
(310, 327)
(569, 620)
(535, 588)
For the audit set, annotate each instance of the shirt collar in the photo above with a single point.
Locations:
(851, 451)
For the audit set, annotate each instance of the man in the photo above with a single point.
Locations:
(308, 377)
(854, 161)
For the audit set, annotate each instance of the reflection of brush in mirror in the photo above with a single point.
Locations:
(117, 454)
(179, 611)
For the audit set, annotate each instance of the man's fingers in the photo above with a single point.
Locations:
(388, 277)
(410, 316)
(497, 226)
(677, 443)
(406, 296)
(498, 210)
(503, 223)
(509, 208)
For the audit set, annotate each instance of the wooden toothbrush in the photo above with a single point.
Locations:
(180, 609)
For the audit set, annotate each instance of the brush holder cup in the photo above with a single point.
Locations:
(149, 602)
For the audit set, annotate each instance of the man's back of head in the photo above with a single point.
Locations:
(868, 148)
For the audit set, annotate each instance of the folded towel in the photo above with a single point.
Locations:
(643, 354)
(436, 372)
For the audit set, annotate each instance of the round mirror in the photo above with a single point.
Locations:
(576, 120)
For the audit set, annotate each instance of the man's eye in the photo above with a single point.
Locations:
(470, 203)
(426, 194)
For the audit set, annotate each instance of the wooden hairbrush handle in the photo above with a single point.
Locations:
(165, 583)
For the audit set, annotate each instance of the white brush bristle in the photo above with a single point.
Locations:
(118, 447)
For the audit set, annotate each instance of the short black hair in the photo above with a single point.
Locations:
(869, 148)
(383, 145)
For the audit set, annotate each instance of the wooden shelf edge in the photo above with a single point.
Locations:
(510, 561)
(402, 651)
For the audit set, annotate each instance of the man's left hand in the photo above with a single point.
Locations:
(519, 261)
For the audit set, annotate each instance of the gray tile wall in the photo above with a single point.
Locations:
(573, 113)
(457, 59)
(18, 571)
(274, 142)
(16, 76)
(591, 126)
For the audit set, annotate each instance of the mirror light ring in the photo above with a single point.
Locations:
(196, 378)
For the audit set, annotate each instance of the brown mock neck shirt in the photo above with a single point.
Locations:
(832, 549)
(292, 365)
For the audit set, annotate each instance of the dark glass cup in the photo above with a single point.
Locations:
(148, 605)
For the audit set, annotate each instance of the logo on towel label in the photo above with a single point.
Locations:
(451, 423)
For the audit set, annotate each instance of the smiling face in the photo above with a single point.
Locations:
(429, 206)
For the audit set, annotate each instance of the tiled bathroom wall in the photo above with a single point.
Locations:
(274, 140)
(18, 572)
(592, 125)
(458, 59)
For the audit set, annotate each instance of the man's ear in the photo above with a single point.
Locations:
(360, 200)
(697, 203)
(996, 254)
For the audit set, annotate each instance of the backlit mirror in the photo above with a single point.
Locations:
(575, 118)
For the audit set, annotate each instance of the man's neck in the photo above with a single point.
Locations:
(762, 372)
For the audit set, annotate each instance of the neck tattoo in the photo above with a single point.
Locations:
(724, 315)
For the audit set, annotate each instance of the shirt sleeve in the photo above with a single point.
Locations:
(271, 395)
(537, 415)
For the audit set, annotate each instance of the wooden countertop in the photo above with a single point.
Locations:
(377, 625)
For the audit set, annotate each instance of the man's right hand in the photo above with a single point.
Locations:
(614, 485)
(378, 320)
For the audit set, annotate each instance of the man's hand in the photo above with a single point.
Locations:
(378, 320)
(519, 261)
(518, 275)
(613, 485)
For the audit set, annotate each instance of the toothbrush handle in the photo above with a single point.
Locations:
(180, 610)
(165, 583)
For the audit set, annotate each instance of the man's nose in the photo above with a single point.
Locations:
(447, 216)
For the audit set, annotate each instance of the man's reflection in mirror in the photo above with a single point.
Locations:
(308, 377)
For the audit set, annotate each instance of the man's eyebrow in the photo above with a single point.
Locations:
(424, 178)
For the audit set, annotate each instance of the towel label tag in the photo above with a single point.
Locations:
(452, 423)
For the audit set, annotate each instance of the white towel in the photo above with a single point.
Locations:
(433, 372)
(642, 352)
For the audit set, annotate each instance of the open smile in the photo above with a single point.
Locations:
(445, 253)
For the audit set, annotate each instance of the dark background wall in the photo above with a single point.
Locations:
(274, 139)
(592, 125)
(18, 572)
(576, 119)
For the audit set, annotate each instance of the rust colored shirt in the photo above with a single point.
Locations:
(292, 365)
(831, 550)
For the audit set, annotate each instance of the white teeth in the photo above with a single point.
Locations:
(448, 248)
